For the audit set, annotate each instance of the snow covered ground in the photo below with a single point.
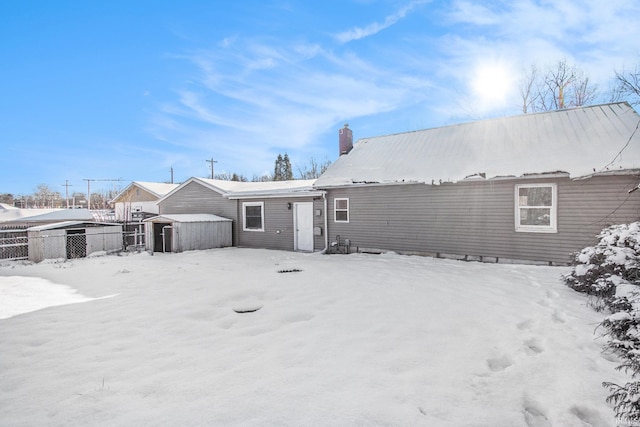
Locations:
(333, 341)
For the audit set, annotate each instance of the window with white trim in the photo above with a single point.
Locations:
(253, 216)
(341, 210)
(536, 208)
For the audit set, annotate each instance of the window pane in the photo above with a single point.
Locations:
(535, 216)
(535, 196)
(341, 216)
(342, 204)
(253, 211)
(253, 217)
(254, 222)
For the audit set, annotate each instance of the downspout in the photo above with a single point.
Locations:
(326, 223)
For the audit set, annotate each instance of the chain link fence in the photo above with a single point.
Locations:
(59, 244)
(14, 245)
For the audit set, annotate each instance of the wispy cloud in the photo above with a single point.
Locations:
(375, 27)
(249, 98)
(251, 112)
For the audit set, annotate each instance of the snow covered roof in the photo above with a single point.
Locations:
(158, 189)
(578, 141)
(188, 218)
(240, 189)
(38, 215)
(68, 224)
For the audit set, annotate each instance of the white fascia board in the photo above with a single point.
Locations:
(271, 195)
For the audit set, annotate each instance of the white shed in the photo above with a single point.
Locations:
(187, 232)
(73, 239)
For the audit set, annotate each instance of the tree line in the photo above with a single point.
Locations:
(283, 171)
(45, 197)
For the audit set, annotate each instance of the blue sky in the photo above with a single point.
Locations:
(130, 89)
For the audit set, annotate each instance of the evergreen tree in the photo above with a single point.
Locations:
(287, 173)
(277, 170)
(282, 169)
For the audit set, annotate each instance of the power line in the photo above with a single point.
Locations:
(89, 187)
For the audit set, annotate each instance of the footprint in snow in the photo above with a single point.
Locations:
(559, 316)
(533, 346)
(534, 414)
(497, 364)
(534, 417)
(588, 416)
(552, 294)
(525, 324)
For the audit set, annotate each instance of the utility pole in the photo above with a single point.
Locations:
(67, 185)
(212, 162)
(88, 192)
(89, 188)
(172, 174)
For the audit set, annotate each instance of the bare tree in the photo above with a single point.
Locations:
(528, 89)
(262, 178)
(560, 86)
(627, 86)
(226, 176)
(313, 169)
(43, 195)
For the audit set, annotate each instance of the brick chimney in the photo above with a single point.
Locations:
(345, 137)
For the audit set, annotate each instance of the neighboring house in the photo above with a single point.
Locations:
(138, 200)
(535, 187)
(287, 215)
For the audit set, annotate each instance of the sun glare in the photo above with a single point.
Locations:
(491, 83)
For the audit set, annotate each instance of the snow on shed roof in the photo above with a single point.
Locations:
(37, 215)
(579, 141)
(68, 224)
(188, 218)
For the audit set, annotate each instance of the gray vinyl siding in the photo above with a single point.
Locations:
(201, 235)
(278, 225)
(196, 198)
(318, 223)
(477, 218)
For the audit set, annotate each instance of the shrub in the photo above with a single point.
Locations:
(615, 260)
(609, 271)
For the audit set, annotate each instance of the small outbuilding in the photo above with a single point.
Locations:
(187, 232)
(73, 239)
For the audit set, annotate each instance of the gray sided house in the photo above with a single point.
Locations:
(73, 239)
(533, 188)
(287, 215)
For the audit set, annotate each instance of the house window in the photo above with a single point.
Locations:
(536, 208)
(341, 210)
(253, 216)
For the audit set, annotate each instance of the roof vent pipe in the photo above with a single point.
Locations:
(345, 137)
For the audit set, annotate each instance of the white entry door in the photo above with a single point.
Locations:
(303, 226)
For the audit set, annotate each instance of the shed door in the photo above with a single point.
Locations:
(162, 236)
(76, 244)
(303, 226)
